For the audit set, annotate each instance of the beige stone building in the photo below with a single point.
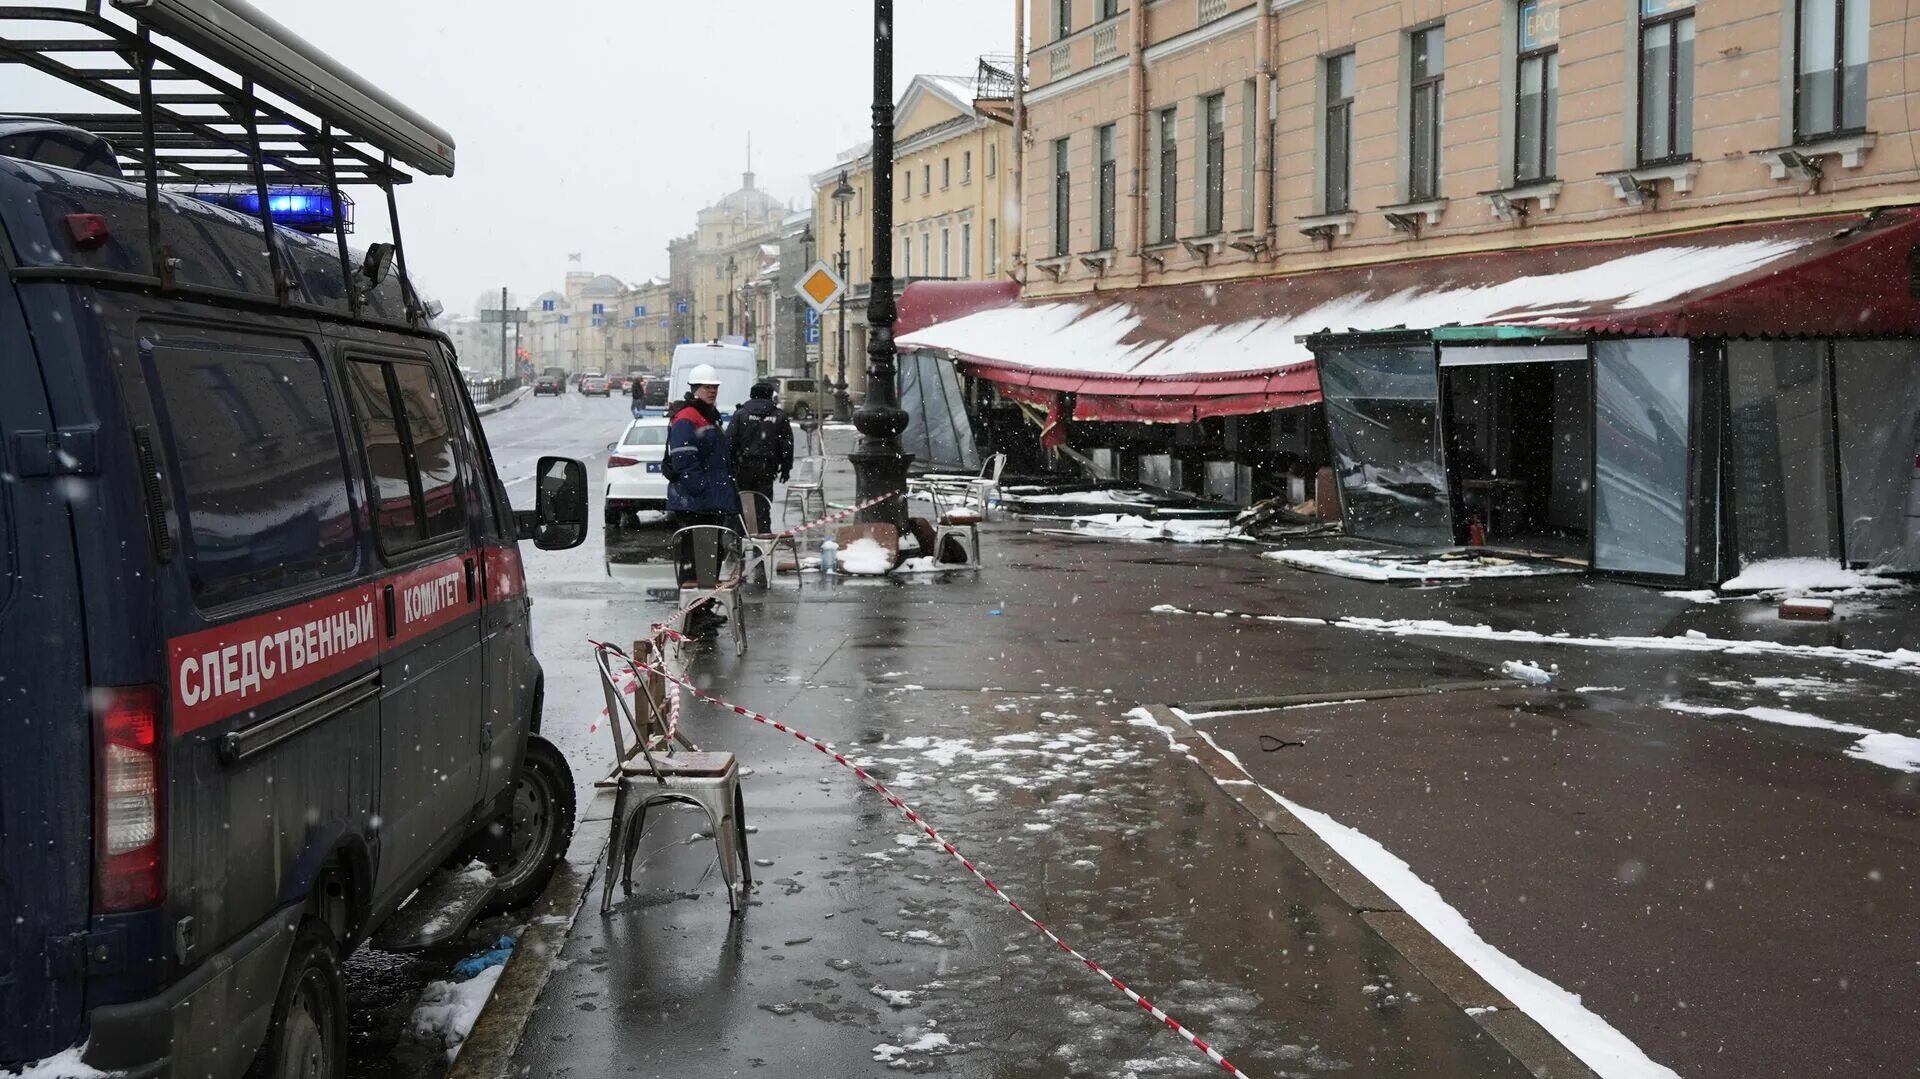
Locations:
(952, 212)
(1628, 282)
(730, 239)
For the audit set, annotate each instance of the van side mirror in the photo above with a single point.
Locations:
(378, 263)
(558, 520)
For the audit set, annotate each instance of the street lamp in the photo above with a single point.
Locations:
(732, 268)
(879, 467)
(842, 196)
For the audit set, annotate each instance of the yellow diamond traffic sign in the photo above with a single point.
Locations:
(820, 286)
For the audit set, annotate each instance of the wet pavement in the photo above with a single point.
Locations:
(1736, 897)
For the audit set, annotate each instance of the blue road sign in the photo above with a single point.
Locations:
(680, 309)
(640, 310)
(813, 326)
(666, 324)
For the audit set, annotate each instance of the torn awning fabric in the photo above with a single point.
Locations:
(1179, 353)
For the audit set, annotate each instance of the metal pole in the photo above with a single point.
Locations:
(162, 267)
(879, 468)
(843, 408)
(503, 331)
(415, 309)
(339, 220)
(281, 282)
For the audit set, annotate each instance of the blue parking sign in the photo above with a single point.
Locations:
(666, 324)
(680, 308)
(639, 310)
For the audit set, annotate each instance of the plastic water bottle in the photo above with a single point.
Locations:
(829, 556)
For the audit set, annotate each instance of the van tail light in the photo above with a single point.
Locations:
(617, 461)
(127, 821)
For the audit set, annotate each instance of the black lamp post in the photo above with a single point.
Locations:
(879, 467)
(732, 268)
(842, 196)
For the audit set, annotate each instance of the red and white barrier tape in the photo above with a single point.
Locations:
(894, 800)
(840, 515)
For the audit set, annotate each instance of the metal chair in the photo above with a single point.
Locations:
(956, 530)
(709, 564)
(807, 490)
(986, 486)
(756, 514)
(655, 764)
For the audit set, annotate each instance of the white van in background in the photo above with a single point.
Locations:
(734, 363)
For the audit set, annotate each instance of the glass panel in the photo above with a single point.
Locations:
(1877, 386)
(1421, 164)
(1656, 61)
(1339, 149)
(432, 440)
(1382, 417)
(1816, 61)
(1539, 24)
(395, 515)
(263, 488)
(1428, 57)
(1640, 403)
(1781, 435)
(1340, 77)
(1854, 74)
(1683, 87)
(1549, 152)
(1527, 119)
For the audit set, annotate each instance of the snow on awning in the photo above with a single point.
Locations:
(924, 303)
(1189, 351)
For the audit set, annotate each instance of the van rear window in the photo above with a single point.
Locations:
(260, 480)
(410, 452)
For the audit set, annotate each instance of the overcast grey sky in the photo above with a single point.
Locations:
(601, 126)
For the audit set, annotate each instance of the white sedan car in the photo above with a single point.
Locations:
(636, 491)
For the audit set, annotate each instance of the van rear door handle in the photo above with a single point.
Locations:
(471, 587)
(389, 605)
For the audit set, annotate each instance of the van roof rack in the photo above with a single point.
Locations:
(215, 92)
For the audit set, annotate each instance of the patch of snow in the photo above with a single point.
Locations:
(1698, 595)
(1588, 1036)
(1126, 526)
(865, 557)
(895, 998)
(1531, 673)
(1899, 752)
(1599, 689)
(1380, 565)
(65, 1064)
(447, 1010)
(1798, 576)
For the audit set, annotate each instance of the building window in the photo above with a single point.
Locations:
(906, 184)
(966, 167)
(926, 254)
(1062, 193)
(926, 178)
(906, 256)
(1338, 166)
(1109, 8)
(1214, 177)
(1666, 80)
(993, 246)
(946, 252)
(1537, 90)
(1169, 174)
(993, 159)
(1062, 18)
(1109, 182)
(1830, 66)
(946, 173)
(966, 249)
(1427, 62)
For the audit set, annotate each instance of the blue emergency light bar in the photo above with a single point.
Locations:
(303, 209)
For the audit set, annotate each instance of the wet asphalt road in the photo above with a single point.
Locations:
(1736, 897)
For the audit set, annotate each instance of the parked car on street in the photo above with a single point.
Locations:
(265, 656)
(803, 398)
(636, 490)
(616, 384)
(551, 380)
(594, 384)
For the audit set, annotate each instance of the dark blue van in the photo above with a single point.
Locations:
(265, 668)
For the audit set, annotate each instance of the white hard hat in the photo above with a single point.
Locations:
(703, 375)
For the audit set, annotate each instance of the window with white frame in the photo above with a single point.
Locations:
(966, 249)
(1666, 81)
(1062, 196)
(946, 251)
(1213, 113)
(1109, 179)
(1337, 164)
(1425, 73)
(966, 167)
(1169, 175)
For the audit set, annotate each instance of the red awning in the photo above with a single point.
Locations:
(927, 303)
(1174, 353)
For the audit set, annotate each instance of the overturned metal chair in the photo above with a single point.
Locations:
(710, 564)
(655, 764)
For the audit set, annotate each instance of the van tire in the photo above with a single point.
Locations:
(543, 810)
(307, 1038)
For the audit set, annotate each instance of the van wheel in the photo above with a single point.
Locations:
(541, 826)
(308, 1035)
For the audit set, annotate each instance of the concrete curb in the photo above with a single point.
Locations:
(503, 403)
(488, 1051)
(1530, 1043)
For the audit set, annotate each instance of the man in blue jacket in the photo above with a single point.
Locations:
(699, 469)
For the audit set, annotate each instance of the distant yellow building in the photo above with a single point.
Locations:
(952, 206)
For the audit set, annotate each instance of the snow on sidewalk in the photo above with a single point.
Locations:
(1802, 576)
(447, 1010)
(1585, 1034)
(1899, 752)
(1381, 565)
(1126, 526)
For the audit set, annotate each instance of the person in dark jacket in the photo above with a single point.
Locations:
(699, 469)
(761, 441)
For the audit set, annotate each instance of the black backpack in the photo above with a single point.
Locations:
(759, 447)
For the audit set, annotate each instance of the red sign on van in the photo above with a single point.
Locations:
(221, 671)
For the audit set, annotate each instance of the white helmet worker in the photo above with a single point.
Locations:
(703, 375)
